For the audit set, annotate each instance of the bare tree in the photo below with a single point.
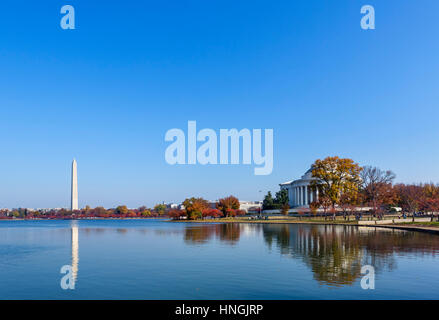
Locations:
(376, 185)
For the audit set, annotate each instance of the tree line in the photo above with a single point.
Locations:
(344, 186)
(192, 209)
(87, 212)
(199, 208)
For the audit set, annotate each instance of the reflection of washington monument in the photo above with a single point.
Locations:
(74, 195)
(75, 251)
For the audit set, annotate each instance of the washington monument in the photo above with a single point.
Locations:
(74, 205)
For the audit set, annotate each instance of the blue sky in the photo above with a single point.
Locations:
(107, 92)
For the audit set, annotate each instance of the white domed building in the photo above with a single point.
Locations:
(299, 191)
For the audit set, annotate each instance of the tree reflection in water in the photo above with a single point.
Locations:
(226, 232)
(335, 254)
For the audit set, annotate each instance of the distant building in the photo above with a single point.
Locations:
(46, 210)
(247, 206)
(174, 206)
(250, 206)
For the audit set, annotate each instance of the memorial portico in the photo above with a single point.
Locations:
(300, 193)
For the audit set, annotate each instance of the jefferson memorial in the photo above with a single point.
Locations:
(299, 191)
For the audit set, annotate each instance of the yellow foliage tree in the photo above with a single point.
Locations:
(334, 177)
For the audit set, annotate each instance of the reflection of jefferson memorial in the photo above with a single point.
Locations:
(299, 191)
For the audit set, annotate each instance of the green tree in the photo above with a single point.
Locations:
(268, 202)
(281, 198)
(160, 209)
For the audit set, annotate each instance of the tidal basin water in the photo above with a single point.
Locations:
(153, 259)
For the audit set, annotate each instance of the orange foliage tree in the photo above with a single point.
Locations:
(176, 214)
(214, 213)
(227, 204)
(194, 207)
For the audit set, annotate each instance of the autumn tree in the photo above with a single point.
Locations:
(349, 201)
(240, 212)
(430, 190)
(121, 210)
(234, 212)
(99, 211)
(177, 214)
(376, 187)
(194, 207)
(325, 203)
(409, 197)
(334, 177)
(226, 204)
(213, 213)
(142, 208)
(285, 208)
(314, 207)
(160, 209)
(430, 199)
(301, 212)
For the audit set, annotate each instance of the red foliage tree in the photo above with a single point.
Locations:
(176, 214)
(228, 205)
(213, 213)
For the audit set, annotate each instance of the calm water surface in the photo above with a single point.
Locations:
(153, 259)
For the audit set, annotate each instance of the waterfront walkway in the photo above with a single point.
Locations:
(408, 227)
(433, 230)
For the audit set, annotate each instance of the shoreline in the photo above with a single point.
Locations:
(425, 229)
(406, 227)
(418, 228)
(94, 218)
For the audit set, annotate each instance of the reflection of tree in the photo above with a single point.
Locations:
(93, 231)
(199, 234)
(225, 232)
(228, 232)
(333, 258)
(335, 254)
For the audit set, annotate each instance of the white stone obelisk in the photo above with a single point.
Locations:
(74, 186)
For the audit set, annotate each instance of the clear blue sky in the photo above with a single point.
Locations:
(107, 92)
